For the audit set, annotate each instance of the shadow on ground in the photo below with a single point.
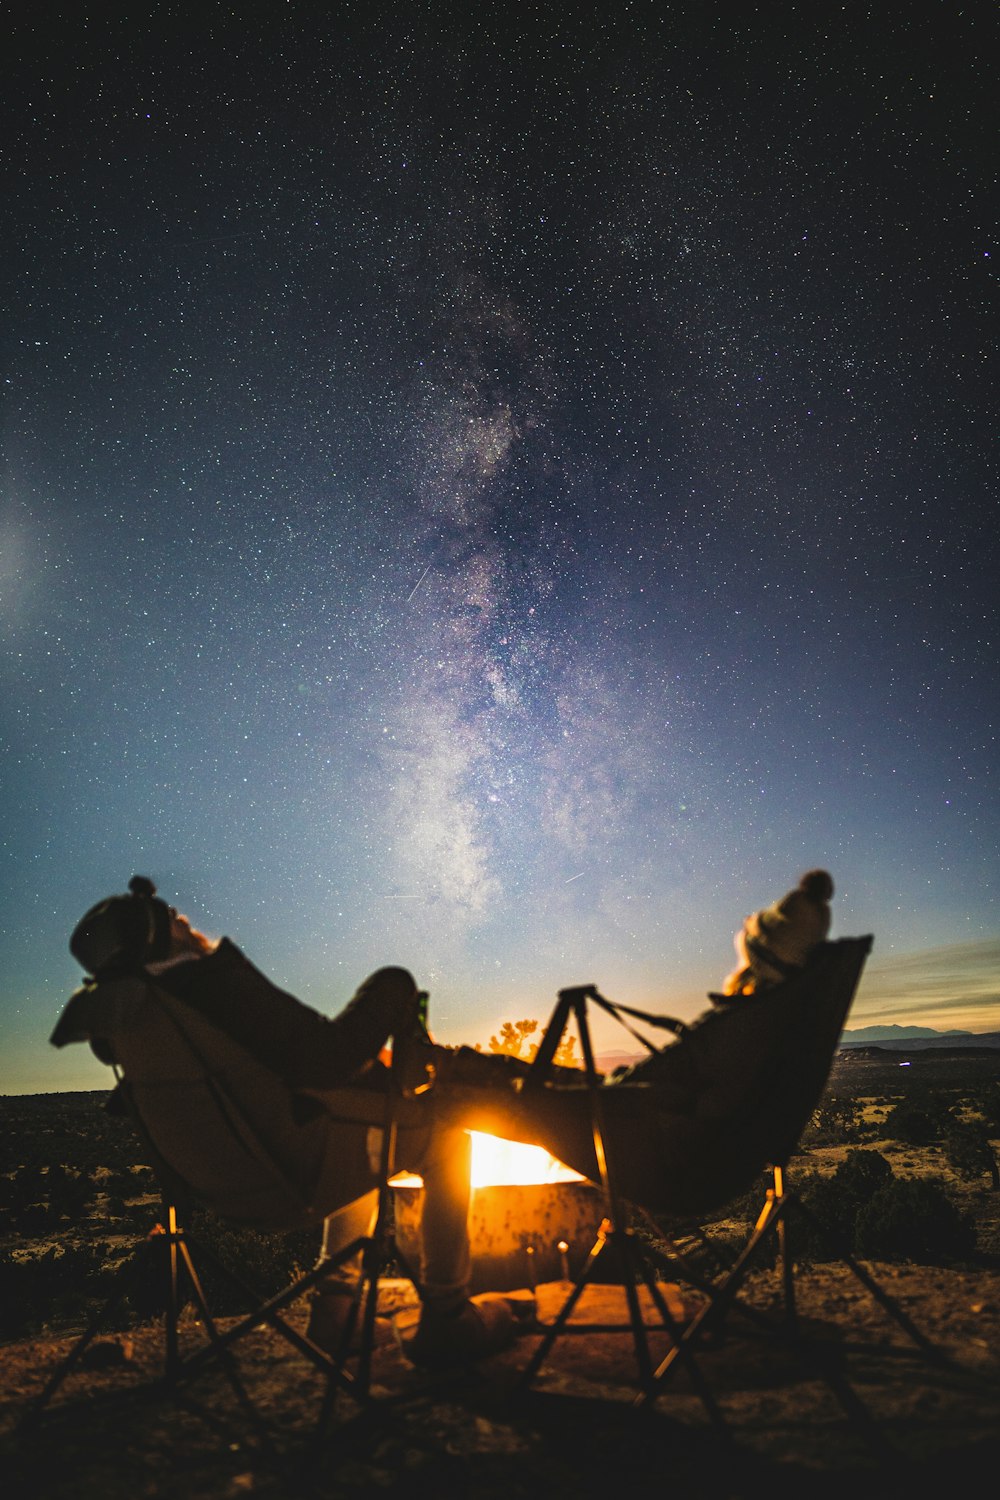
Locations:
(575, 1432)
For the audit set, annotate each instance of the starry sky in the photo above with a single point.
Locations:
(500, 490)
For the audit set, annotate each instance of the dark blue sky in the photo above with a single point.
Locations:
(501, 493)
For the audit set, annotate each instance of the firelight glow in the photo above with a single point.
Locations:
(498, 1163)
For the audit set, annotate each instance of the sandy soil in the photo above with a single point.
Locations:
(576, 1432)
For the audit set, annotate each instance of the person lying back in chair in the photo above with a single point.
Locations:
(131, 942)
(681, 1123)
(772, 944)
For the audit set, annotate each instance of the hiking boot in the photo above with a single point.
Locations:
(473, 1330)
(334, 1321)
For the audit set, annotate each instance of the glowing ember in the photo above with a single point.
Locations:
(497, 1163)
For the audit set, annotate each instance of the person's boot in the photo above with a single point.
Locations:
(473, 1330)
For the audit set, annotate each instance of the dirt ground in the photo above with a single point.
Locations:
(576, 1431)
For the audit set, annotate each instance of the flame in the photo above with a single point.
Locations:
(498, 1163)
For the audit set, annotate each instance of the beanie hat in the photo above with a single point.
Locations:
(123, 932)
(817, 885)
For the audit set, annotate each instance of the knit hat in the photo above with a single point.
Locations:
(817, 885)
(123, 932)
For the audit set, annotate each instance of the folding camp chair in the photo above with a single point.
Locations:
(770, 1134)
(756, 1068)
(634, 1261)
(224, 1132)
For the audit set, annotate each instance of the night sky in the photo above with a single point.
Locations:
(500, 490)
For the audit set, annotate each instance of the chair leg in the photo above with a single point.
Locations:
(555, 1329)
(785, 1256)
(778, 1208)
(888, 1304)
(269, 1312)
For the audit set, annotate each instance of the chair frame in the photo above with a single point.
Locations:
(637, 1261)
(171, 1252)
(641, 1261)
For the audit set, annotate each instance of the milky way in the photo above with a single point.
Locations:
(500, 495)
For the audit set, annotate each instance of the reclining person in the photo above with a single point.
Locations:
(138, 937)
(773, 943)
(663, 1129)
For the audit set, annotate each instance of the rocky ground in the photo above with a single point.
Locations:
(576, 1432)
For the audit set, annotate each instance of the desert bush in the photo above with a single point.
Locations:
(987, 1103)
(864, 1209)
(862, 1173)
(967, 1148)
(70, 1193)
(57, 1289)
(265, 1263)
(834, 1123)
(916, 1122)
(913, 1219)
(834, 1203)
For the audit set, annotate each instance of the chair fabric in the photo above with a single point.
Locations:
(224, 1130)
(753, 1070)
(695, 1124)
(240, 1140)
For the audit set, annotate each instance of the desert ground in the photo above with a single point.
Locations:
(575, 1431)
(857, 1408)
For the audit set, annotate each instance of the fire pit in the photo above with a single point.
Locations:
(531, 1220)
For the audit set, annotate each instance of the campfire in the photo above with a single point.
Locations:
(497, 1163)
(532, 1219)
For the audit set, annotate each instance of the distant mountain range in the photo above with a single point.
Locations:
(893, 1038)
(916, 1038)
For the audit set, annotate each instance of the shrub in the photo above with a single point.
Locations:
(265, 1263)
(834, 1123)
(916, 1122)
(59, 1288)
(861, 1173)
(912, 1219)
(967, 1148)
(834, 1203)
(987, 1103)
(865, 1210)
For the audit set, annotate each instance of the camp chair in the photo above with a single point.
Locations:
(744, 1082)
(224, 1132)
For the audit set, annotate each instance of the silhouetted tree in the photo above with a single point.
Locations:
(836, 1201)
(834, 1123)
(514, 1041)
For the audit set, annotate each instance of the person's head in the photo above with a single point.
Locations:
(124, 933)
